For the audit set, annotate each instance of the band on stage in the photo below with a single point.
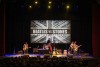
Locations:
(73, 48)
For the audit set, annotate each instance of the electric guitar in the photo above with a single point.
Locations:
(77, 47)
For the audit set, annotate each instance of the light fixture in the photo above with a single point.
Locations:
(50, 2)
(67, 6)
(49, 6)
(30, 6)
(36, 2)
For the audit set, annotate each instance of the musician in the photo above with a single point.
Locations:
(48, 46)
(75, 48)
(25, 48)
(71, 47)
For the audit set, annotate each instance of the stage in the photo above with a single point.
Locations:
(47, 55)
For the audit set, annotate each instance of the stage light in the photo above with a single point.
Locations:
(50, 2)
(36, 2)
(49, 6)
(67, 6)
(30, 6)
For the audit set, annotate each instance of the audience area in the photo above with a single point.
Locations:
(48, 62)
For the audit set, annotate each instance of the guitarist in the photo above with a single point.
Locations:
(25, 48)
(75, 48)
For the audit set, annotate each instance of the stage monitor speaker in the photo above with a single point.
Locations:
(26, 55)
(20, 52)
(85, 54)
(46, 55)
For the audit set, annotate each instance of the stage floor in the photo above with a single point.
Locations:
(43, 55)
